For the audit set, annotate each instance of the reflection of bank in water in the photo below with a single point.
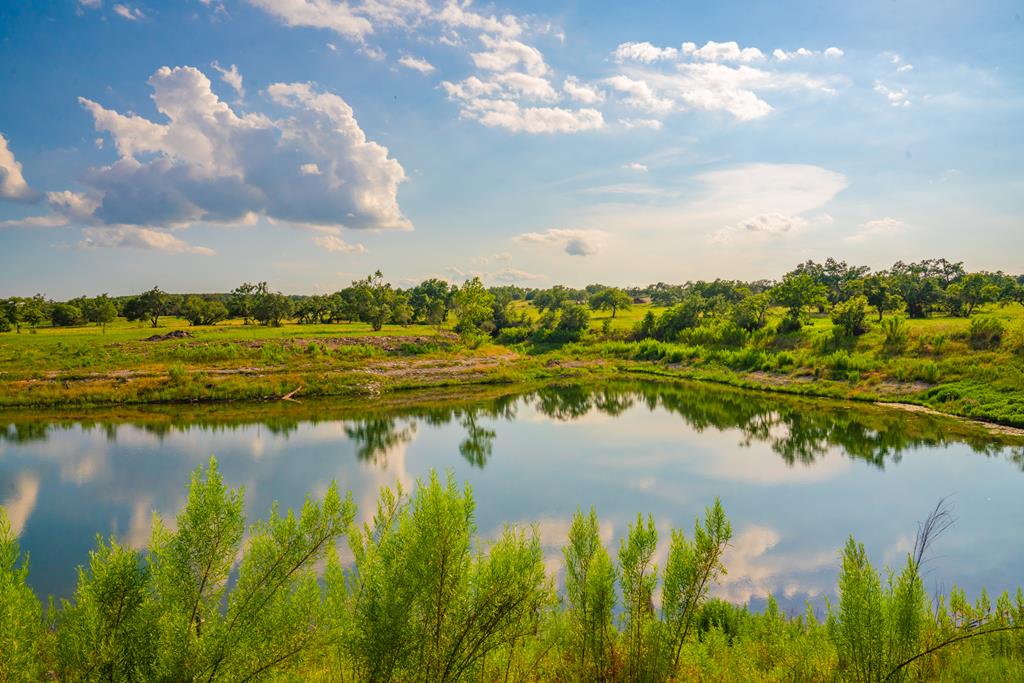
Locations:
(797, 475)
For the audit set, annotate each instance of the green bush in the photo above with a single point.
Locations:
(572, 322)
(719, 333)
(790, 324)
(851, 316)
(917, 371)
(512, 335)
(746, 359)
(985, 333)
(66, 315)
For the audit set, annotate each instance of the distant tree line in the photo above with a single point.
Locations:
(851, 294)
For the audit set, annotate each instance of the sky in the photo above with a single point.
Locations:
(195, 145)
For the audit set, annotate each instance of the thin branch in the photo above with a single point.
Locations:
(957, 639)
(938, 521)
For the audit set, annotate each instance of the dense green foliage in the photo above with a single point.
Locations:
(424, 598)
(943, 337)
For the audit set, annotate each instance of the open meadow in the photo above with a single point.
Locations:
(938, 364)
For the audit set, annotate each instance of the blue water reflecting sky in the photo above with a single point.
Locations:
(533, 461)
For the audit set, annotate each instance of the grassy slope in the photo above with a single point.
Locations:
(82, 366)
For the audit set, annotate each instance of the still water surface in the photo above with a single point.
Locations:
(796, 477)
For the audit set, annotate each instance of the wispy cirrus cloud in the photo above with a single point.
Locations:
(878, 227)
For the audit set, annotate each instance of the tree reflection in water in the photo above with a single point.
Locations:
(799, 430)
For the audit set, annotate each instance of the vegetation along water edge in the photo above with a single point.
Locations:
(929, 334)
(419, 595)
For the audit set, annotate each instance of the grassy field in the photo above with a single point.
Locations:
(938, 366)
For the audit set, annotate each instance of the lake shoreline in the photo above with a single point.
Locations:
(403, 377)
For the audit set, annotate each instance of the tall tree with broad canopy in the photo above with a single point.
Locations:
(429, 299)
(473, 305)
(149, 306)
(375, 300)
(272, 308)
(611, 299)
(797, 292)
(100, 310)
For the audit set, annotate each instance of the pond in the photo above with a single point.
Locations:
(796, 476)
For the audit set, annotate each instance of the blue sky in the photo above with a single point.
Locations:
(199, 144)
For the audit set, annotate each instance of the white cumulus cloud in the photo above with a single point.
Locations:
(339, 17)
(581, 92)
(504, 55)
(506, 113)
(639, 94)
(644, 52)
(207, 163)
(12, 182)
(573, 242)
(762, 226)
(417, 64)
(231, 77)
(138, 238)
(729, 51)
(896, 98)
(129, 13)
(707, 85)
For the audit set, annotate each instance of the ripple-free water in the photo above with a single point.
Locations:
(796, 477)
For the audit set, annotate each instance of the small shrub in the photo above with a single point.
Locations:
(177, 374)
(472, 339)
(512, 335)
(649, 349)
(573, 322)
(411, 349)
(273, 353)
(895, 333)
(783, 360)
(746, 359)
(851, 317)
(724, 334)
(790, 324)
(985, 333)
(1015, 342)
(645, 328)
(356, 351)
(917, 371)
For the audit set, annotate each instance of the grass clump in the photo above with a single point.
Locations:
(985, 333)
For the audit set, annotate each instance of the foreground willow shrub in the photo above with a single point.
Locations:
(424, 599)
